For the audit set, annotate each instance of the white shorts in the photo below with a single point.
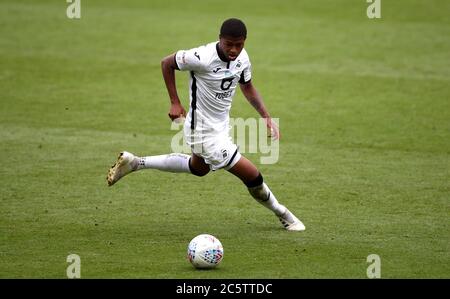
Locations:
(217, 151)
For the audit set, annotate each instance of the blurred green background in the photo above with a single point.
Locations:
(364, 156)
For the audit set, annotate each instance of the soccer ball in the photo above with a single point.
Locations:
(205, 251)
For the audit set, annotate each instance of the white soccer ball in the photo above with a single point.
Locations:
(205, 251)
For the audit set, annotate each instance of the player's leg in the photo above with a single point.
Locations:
(252, 178)
(175, 162)
(198, 166)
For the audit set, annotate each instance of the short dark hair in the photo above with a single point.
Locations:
(233, 28)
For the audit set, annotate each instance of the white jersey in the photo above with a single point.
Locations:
(213, 83)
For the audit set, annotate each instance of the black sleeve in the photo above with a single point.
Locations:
(175, 60)
(242, 79)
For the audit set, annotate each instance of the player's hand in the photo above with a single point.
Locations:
(176, 111)
(272, 129)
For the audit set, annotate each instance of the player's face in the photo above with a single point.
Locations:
(231, 46)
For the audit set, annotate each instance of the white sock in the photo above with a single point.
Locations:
(172, 162)
(264, 196)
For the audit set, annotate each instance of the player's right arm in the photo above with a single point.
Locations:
(168, 67)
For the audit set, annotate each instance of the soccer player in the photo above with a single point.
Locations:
(216, 69)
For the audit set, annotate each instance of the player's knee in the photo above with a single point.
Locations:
(198, 172)
(254, 182)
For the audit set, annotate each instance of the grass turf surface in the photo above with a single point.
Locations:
(364, 156)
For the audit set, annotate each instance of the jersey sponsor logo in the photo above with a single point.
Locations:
(223, 95)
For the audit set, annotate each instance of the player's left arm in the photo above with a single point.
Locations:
(254, 98)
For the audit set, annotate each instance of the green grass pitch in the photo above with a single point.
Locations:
(364, 108)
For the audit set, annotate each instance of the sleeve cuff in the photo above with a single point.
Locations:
(175, 60)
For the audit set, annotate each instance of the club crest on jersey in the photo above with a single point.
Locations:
(238, 65)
